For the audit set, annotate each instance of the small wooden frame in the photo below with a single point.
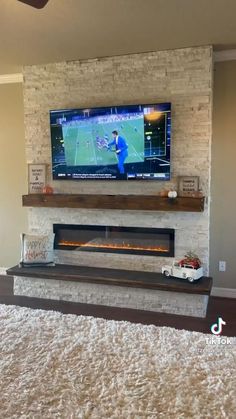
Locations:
(188, 186)
(36, 178)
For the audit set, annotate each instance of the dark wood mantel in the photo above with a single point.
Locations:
(137, 279)
(127, 202)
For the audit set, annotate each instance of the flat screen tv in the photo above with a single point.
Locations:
(117, 142)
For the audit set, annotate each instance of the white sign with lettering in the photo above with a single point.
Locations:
(188, 186)
(36, 178)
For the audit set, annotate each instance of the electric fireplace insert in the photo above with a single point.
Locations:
(113, 239)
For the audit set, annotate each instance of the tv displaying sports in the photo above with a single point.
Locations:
(117, 142)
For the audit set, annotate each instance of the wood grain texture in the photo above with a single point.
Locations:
(137, 279)
(125, 202)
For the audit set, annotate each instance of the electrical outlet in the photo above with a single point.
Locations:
(222, 266)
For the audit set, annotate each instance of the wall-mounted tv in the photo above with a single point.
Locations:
(117, 142)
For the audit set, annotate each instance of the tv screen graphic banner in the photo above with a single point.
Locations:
(118, 143)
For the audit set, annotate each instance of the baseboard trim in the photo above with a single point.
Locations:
(11, 78)
(223, 292)
(3, 271)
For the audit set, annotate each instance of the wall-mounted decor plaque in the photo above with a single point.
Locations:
(188, 185)
(36, 178)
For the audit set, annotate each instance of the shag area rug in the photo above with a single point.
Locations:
(63, 366)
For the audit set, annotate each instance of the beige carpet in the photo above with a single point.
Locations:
(64, 366)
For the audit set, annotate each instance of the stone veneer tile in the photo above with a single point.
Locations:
(183, 77)
(115, 296)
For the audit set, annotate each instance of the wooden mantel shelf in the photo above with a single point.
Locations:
(137, 279)
(121, 202)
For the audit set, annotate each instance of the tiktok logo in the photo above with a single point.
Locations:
(216, 328)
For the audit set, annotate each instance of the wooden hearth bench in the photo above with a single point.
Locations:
(113, 287)
(137, 279)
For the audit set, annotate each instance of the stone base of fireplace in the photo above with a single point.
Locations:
(137, 290)
(111, 295)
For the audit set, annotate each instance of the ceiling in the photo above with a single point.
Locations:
(80, 29)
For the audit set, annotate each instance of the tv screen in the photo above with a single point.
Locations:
(118, 142)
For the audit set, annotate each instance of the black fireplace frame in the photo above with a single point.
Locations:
(102, 228)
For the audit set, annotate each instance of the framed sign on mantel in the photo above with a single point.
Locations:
(188, 186)
(36, 178)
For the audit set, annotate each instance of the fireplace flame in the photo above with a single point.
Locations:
(118, 246)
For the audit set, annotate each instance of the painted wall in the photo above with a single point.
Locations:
(13, 176)
(223, 206)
